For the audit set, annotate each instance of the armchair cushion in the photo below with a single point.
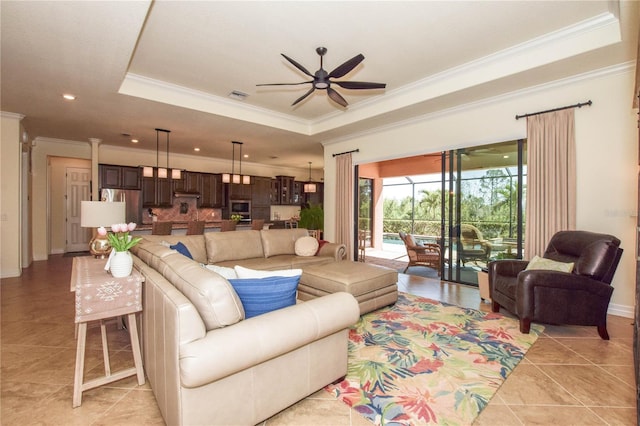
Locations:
(549, 265)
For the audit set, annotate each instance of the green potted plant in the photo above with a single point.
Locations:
(312, 217)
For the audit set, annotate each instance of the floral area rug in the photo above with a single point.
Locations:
(425, 362)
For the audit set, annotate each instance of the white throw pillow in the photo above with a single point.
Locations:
(306, 246)
(253, 273)
(228, 273)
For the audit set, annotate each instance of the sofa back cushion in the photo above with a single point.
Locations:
(214, 298)
(236, 245)
(194, 243)
(281, 241)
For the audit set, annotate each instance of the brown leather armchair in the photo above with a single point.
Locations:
(580, 297)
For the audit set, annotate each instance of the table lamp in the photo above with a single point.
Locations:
(94, 214)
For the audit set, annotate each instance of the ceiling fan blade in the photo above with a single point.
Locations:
(284, 84)
(304, 96)
(346, 67)
(335, 97)
(359, 85)
(297, 65)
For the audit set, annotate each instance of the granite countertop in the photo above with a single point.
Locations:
(179, 225)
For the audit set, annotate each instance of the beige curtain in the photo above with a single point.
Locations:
(551, 178)
(344, 202)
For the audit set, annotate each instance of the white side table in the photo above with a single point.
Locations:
(100, 296)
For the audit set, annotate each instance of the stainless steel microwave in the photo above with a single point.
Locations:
(242, 207)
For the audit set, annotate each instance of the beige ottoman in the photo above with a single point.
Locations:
(373, 286)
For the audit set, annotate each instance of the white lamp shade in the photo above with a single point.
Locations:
(310, 187)
(226, 178)
(162, 173)
(176, 174)
(147, 171)
(235, 178)
(94, 214)
(246, 180)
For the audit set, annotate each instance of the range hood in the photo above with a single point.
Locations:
(186, 194)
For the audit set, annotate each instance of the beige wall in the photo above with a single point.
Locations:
(10, 195)
(607, 145)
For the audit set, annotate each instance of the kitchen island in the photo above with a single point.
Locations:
(180, 228)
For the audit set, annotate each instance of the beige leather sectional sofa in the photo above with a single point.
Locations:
(207, 364)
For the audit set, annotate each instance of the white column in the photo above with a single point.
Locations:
(95, 142)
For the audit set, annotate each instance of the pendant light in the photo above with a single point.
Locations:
(246, 180)
(309, 186)
(163, 172)
(233, 177)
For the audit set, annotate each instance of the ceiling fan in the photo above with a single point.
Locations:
(321, 78)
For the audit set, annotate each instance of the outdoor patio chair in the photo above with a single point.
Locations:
(427, 254)
(472, 247)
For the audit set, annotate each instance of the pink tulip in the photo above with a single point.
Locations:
(123, 227)
(102, 231)
(115, 227)
(131, 226)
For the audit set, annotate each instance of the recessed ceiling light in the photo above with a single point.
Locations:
(69, 97)
(196, 149)
(245, 156)
(505, 156)
(134, 140)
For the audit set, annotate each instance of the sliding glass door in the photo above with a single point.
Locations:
(482, 207)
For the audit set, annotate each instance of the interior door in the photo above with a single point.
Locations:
(78, 189)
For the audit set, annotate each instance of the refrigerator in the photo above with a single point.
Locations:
(132, 199)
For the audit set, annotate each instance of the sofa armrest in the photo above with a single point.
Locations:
(228, 350)
(335, 250)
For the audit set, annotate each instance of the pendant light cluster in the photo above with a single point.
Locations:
(310, 186)
(163, 172)
(233, 177)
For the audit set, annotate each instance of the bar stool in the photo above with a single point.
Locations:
(161, 228)
(195, 227)
(100, 296)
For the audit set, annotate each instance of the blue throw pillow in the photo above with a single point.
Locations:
(262, 295)
(182, 249)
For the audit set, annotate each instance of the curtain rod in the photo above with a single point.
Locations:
(347, 152)
(578, 105)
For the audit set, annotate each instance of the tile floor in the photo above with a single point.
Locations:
(569, 376)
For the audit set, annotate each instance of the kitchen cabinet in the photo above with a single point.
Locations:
(210, 190)
(261, 192)
(119, 177)
(238, 191)
(189, 182)
(157, 192)
(261, 198)
(275, 192)
(297, 195)
(285, 190)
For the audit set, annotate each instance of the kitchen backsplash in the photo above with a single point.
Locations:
(182, 211)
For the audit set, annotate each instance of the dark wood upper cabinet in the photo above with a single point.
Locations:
(210, 190)
(119, 177)
(261, 192)
(157, 192)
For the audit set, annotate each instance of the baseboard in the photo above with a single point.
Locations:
(621, 310)
(11, 273)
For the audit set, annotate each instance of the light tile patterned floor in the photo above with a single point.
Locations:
(570, 375)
